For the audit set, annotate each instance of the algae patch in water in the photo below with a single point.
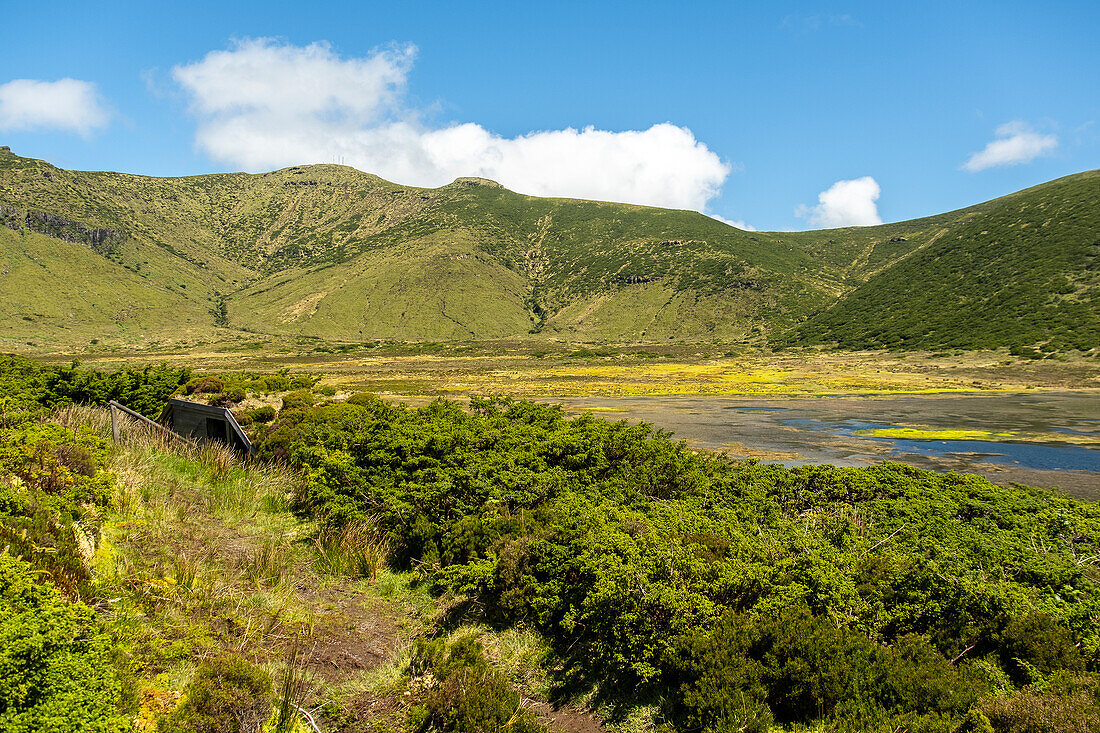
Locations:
(906, 433)
(927, 433)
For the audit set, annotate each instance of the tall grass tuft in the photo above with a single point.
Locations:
(359, 549)
(219, 459)
(185, 572)
(292, 690)
(74, 417)
(269, 564)
(141, 436)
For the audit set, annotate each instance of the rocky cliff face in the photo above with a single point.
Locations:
(103, 241)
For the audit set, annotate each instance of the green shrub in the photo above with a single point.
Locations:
(254, 383)
(30, 389)
(56, 672)
(364, 399)
(227, 695)
(297, 400)
(263, 414)
(975, 722)
(800, 667)
(228, 398)
(205, 385)
(1038, 641)
(467, 695)
(51, 491)
(1070, 705)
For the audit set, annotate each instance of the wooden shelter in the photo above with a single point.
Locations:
(205, 422)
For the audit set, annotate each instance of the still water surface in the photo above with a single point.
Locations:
(801, 430)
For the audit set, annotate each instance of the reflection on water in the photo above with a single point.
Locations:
(801, 430)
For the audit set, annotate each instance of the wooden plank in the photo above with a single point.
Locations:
(241, 434)
(138, 416)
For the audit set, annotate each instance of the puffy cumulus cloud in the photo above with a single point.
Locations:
(662, 166)
(1016, 142)
(262, 77)
(68, 105)
(739, 223)
(845, 204)
(263, 104)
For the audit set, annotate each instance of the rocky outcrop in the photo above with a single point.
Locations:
(102, 240)
(475, 182)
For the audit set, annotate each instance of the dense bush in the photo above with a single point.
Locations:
(263, 414)
(297, 400)
(466, 694)
(799, 667)
(254, 383)
(900, 593)
(204, 385)
(1063, 704)
(228, 694)
(30, 389)
(52, 487)
(1037, 643)
(56, 666)
(56, 674)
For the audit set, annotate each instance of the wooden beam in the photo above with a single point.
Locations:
(115, 406)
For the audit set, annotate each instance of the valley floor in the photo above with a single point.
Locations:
(557, 370)
(643, 382)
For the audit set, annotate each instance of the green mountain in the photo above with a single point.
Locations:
(332, 253)
(1021, 270)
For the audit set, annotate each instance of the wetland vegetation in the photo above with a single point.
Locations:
(454, 567)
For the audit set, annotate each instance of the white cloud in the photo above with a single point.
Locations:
(845, 204)
(69, 105)
(1016, 143)
(739, 223)
(264, 104)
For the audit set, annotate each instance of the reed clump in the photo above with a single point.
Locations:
(359, 549)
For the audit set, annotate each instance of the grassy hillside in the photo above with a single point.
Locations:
(329, 252)
(438, 287)
(1018, 271)
(55, 292)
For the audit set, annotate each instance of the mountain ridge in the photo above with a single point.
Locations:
(326, 251)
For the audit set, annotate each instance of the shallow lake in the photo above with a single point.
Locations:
(800, 430)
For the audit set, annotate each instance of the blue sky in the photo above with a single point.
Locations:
(778, 115)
